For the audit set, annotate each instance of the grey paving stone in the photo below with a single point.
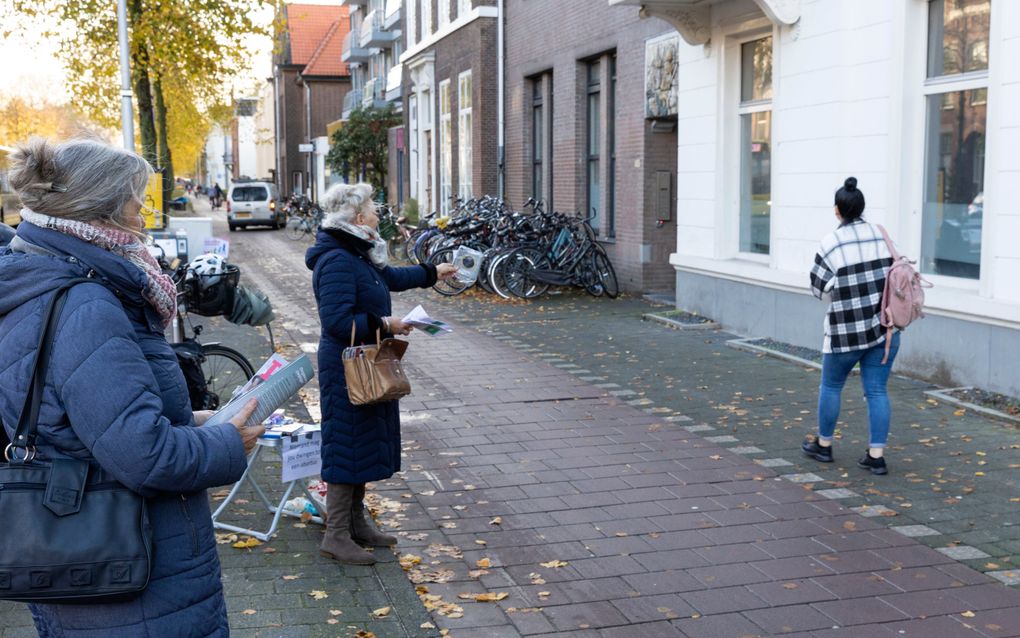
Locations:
(746, 449)
(773, 462)
(837, 493)
(962, 552)
(1007, 576)
(699, 428)
(806, 477)
(914, 531)
(725, 438)
(874, 510)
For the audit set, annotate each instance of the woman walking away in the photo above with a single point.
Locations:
(352, 282)
(114, 394)
(851, 267)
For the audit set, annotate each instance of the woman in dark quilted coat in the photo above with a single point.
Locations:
(114, 393)
(352, 282)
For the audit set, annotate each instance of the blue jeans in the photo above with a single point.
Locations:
(836, 368)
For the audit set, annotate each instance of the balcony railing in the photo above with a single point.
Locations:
(394, 81)
(393, 9)
(351, 101)
(354, 3)
(374, 93)
(353, 52)
(374, 34)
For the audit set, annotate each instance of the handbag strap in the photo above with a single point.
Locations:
(25, 433)
(354, 327)
(889, 244)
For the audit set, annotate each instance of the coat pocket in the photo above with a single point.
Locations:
(189, 522)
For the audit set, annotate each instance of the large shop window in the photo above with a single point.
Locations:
(465, 187)
(594, 121)
(957, 97)
(755, 145)
(445, 148)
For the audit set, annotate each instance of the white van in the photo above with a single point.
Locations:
(254, 204)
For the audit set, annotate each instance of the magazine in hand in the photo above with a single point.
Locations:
(276, 381)
(422, 321)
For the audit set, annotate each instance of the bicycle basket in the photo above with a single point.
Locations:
(217, 298)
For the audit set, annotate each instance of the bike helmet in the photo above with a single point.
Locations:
(207, 269)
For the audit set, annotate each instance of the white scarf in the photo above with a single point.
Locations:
(379, 254)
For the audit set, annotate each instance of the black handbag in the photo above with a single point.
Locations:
(71, 534)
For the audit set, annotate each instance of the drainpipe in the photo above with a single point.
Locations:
(308, 130)
(280, 183)
(500, 157)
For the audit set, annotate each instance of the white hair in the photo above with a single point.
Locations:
(80, 179)
(345, 201)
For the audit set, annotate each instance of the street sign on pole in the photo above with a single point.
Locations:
(305, 148)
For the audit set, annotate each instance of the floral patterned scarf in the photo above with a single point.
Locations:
(160, 291)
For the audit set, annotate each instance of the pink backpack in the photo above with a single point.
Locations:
(903, 296)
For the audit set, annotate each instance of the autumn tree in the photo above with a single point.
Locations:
(184, 55)
(359, 146)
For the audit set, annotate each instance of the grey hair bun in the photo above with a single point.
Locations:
(34, 166)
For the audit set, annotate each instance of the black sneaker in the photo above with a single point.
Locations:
(877, 466)
(817, 452)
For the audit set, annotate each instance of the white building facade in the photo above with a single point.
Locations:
(780, 100)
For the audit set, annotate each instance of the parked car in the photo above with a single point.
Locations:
(254, 204)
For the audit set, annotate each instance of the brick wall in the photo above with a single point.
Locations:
(291, 107)
(537, 43)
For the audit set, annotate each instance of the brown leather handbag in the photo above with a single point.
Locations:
(374, 373)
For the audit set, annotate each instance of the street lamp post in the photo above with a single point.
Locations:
(127, 121)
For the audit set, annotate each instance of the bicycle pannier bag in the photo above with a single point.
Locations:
(903, 296)
(374, 373)
(72, 534)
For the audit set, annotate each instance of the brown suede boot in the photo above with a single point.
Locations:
(337, 543)
(362, 529)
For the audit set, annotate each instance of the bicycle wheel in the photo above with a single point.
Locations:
(225, 370)
(606, 273)
(517, 271)
(295, 228)
(448, 287)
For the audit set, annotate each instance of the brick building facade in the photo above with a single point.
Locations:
(309, 82)
(576, 131)
(450, 99)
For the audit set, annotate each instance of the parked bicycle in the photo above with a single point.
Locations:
(303, 217)
(212, 371)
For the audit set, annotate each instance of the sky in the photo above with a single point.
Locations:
(30, 68)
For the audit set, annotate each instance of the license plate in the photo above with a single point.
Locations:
(242, 215)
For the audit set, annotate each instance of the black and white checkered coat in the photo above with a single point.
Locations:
(851, 266)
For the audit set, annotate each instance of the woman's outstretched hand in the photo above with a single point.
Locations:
(446, 271)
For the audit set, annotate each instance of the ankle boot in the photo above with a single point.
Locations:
(337, 543)
(362, 529)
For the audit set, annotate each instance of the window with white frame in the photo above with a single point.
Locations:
(445, 148)
(593, 89)
(412, 10)
(465, 186)
(444, 13)
(426, 19)
(463, 8)
(755, 113)
(956, 94)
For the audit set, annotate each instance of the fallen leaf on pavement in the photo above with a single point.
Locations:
(249, 612)
(382, 612)
(554, 564)
(483, 598)
(483, 563)
(967, 614)
(291, 577)
(335, 612)
(318, 594)
(498, 520)
(247, 543)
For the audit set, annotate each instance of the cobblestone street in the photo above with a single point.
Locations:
(571, 470)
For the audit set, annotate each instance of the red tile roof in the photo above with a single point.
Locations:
(316, 34)
(326, 59)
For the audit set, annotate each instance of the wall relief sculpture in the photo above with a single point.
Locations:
(660, 76)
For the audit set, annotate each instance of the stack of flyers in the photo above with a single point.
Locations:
(422, 321)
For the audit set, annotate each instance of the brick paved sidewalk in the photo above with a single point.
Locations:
(645, 528)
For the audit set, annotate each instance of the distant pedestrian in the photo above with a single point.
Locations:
(850, 269)
(217, 196)
(114, 394)
(352, 281)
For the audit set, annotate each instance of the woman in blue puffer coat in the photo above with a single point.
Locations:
(352, 282)
(114, 393)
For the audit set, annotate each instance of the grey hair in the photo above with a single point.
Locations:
(80, 179)
(344, 201)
